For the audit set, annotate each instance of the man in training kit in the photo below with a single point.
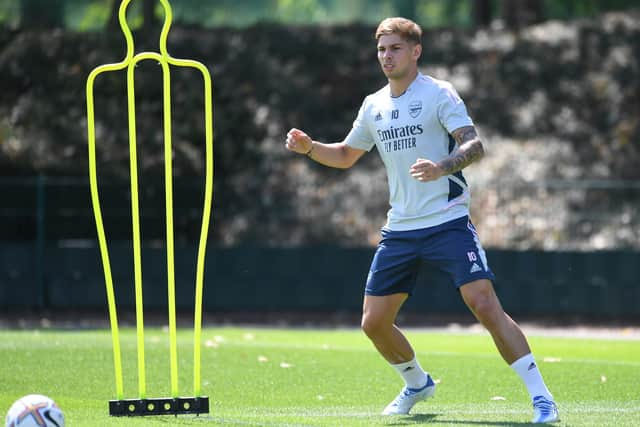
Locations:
(425, 137)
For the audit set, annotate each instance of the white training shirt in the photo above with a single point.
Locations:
(415, 125)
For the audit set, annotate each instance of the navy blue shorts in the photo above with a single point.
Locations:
(453, 247)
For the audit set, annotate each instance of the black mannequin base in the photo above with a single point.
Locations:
(161, 406)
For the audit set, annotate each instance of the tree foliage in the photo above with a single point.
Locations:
(42, 13)
(101, 14)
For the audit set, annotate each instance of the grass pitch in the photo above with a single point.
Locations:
(308, 377)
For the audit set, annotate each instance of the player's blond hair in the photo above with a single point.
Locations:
(405, 28)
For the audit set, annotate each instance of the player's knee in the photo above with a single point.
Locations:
(484, 305)
(372, 325)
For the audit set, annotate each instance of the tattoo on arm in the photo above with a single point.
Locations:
(468, 150)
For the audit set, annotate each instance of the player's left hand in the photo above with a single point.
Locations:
(425, 170)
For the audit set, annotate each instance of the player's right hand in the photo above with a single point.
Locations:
(425, 170)
(298, 141)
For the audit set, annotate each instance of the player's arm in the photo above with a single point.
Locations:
(336, 155)
(468, 150)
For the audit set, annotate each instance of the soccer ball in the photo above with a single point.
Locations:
(35, 410)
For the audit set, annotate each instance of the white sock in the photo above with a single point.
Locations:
(527, 368)
(412, 373)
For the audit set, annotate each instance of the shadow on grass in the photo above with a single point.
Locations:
(412, 419)
(418, 419)
(184, 419)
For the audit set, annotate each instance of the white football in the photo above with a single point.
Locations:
(35, 410)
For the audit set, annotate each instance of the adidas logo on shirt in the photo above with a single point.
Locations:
(475, 268)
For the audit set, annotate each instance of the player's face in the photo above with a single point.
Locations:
(397, 56)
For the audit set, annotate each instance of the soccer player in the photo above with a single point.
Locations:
(422, 131)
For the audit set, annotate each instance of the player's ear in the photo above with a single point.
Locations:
(417, 51)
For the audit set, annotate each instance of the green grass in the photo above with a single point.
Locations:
(305, 377)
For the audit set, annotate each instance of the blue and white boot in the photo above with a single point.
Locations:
(544, 410)
(408, 397)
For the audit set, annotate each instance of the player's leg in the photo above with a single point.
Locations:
(456, 249)
(391, 280)
(512, 344)
(378, 323)
(483, 302)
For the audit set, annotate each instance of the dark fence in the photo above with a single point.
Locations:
(49, 259)
(600, 284)
(44, 208)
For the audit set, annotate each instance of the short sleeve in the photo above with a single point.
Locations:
(360, 136)
(452, 112)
